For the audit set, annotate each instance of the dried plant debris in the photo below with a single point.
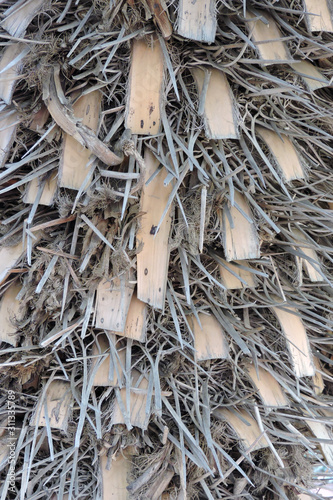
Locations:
(166, 258)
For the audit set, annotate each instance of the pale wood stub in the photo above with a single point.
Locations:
(268, 387)
(136, 321)
(310, 268)
(240, 241)
(9, 256)
(8, 78)
(11, 310)
(321, 431)
(19, 16)
(138, 401)
(143, 114)
(113, 301)
(8, 124)
(312, 77)
(49, 190)
(75, 157)
(115, 480)
(247, 432)
(197, 20)
(102, 375)
(232, 282)
(297, 341)
(210, 341)
(319, 15)
(153, 256)
(267, 38)
(58, 400)
(284, 152)
(220, 115)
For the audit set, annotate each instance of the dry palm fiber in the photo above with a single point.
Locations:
(219, 287)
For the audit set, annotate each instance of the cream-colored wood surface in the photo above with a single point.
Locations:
(248, 432)
(268, 387)
(9, 77)
(136, 321)
(153, 256)
(267, 38)
(115, 480)
(75, 157)
(220, 116)
(197, 20)
(297, 341)
(210, 341)
(138, 401)
(311, 75)
(48, 193)
(9, 256)
(312, 272)
(102, 375)
(240, 242)
(8, 124)
(319, 15)
(11, 310)
(230, 281)
(318, 380)
(112, 302)
(284, 153)
(58, 399)
(321, 431)
(143, 115)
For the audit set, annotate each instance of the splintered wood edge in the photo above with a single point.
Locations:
(197, 21)
(136, 321)
(144, 100)
(268, 387)
(241, 242)
(220, 114)
(297, 341)
(275, 50)
(210, 341)
(284, 153)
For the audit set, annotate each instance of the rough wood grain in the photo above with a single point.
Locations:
(269, 389)
(160, 11)
(143, 114)
(284, 152)
(232, 282)
(49, 190)
(267, 38)
(319, 15)
(153, 256)
(297, 341)
(246, 432)
(113, 301)
(102, 376)
(8, 123)
(210, 341)
(310, 74)
(9, 256)
(136, 321)
(138, 401)
(220, 115)
(197, 20)
(11, 310)
(115, 480)
(240, 241)
(75, 157)
(58, 398)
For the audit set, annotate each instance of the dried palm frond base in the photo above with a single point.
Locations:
(166, 256)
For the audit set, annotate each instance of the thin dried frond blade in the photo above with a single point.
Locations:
(220, 114)
(284, 153)
(297, 340)
(103, 377)
(74, 163)
(240, 240)
(209, 339)
(267, 38)
(319, 15)
(153, 259)
(143, 110)
(138, 402)
(112, 303)
(197, 21)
